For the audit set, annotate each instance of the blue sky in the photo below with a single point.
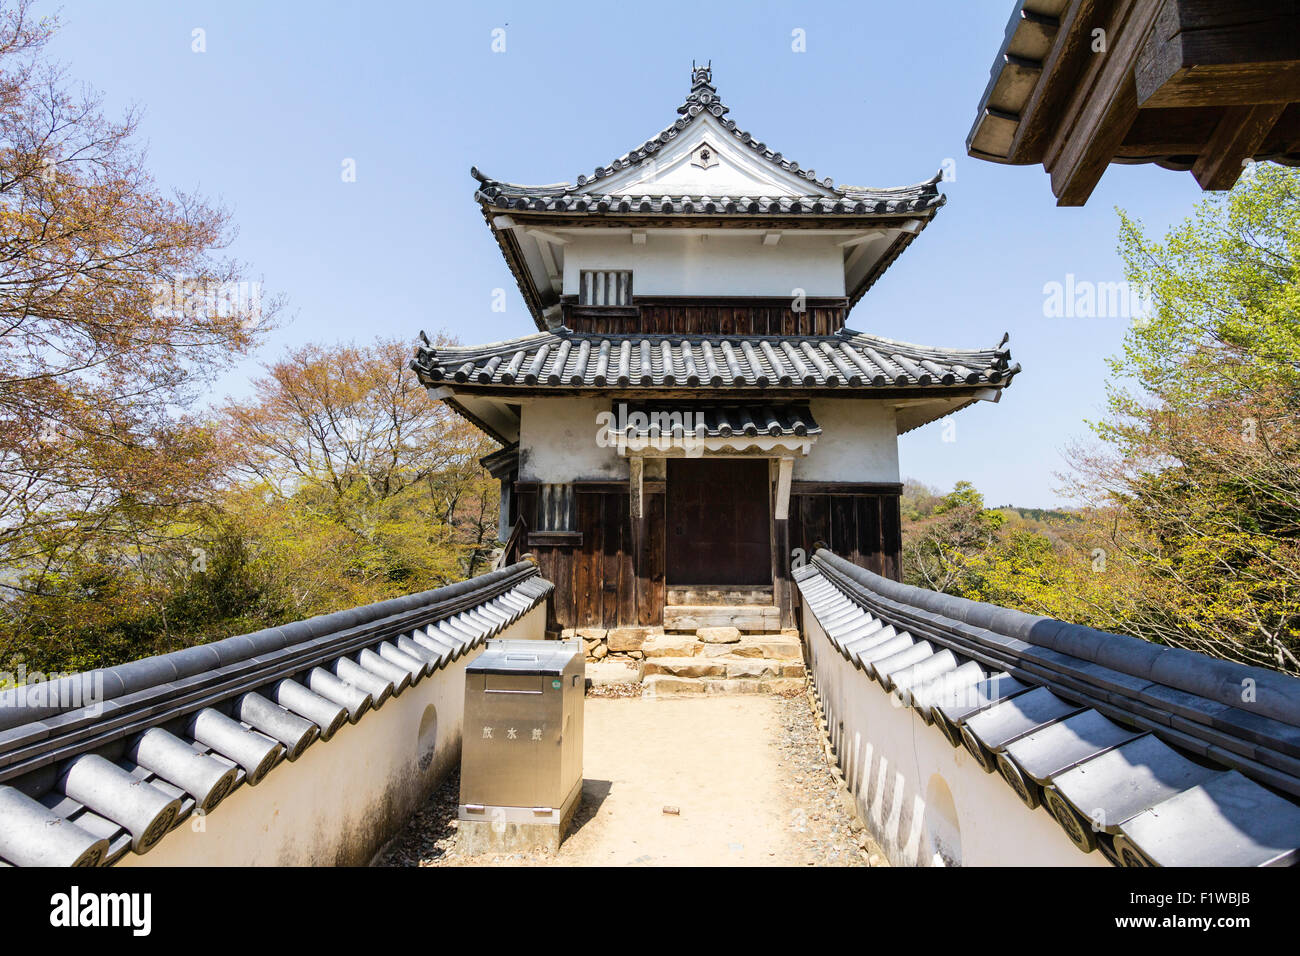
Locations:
(413, 92)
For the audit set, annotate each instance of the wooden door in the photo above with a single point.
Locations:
(718, 522)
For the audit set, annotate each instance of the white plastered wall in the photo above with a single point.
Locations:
(722, 263)
(343, 799)
(557, 442)
(926, 802)
(859, 442)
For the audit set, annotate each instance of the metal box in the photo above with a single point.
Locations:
(521, 760)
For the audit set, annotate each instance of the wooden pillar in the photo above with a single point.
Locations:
(640, 540)
(781, 470)
(635, 487)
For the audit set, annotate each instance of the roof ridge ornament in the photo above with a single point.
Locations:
(703, 95)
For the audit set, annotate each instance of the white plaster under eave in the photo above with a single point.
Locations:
(495, 413)
(859, 442)
(721, 262)
(557, 442)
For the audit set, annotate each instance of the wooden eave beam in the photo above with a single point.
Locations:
(1060, 68)
(1236, 139)
(1212, 53)
(1101, 109)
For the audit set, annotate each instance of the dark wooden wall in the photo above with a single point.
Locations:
(609, 572)
(859, 522)
(727, 317)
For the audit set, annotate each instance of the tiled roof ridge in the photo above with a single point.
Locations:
(1182, 669)
(137, 676)
(1151, 754)
(703, 99)
(82, 783)
(1000, 352)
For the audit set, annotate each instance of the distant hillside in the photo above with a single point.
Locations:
(1040, 514)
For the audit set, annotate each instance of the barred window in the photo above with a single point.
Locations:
(557, 508)
(605, 287)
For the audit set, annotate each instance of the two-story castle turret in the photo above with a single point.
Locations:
(693, 409)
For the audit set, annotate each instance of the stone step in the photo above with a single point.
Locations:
(700, 595)
(773, 646)
(668, 685)
(743, 617)
(721, 668)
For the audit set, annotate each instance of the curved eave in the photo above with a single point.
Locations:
(849, 361)
(1038, 67)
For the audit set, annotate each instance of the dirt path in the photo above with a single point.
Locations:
(746, 773)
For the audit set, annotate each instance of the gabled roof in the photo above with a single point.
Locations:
(796, 190)
(701, 172)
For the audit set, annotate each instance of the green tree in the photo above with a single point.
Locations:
(1200, 466)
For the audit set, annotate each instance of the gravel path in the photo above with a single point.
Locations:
(748, 774)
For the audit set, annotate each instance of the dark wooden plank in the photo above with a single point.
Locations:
(605, 560)
(1070, 53)
(590, 591)
(843, 525)
(869, 546)
(725, 316)
(854, 488)
(561, 539)
(611, 558)
(1172, 132)
(651, 608)
(717, 515)
(1101, 109)
(891, 536)
(626, 570)
(1211, 53)
(1239, 135)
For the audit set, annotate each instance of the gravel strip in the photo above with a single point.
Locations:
(827, 831)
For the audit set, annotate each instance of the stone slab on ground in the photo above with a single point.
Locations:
(718, 635)
(626, 638)
(784, 686)
(727, 650)
(725, 687)
(662, 685)
(670, 645)
(691, 617)
(613, 672)
(685, 667)
(779, 649)
(756, 669)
